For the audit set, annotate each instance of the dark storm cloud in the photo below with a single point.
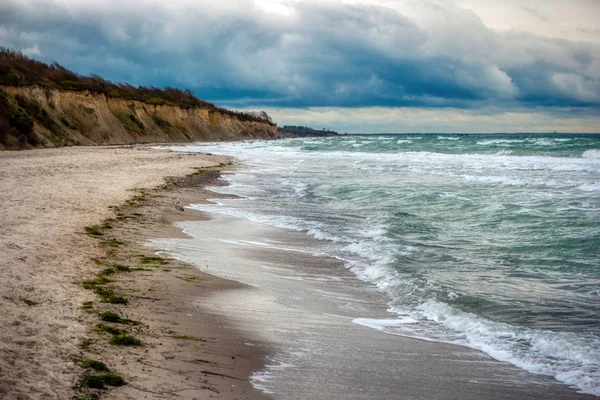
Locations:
(321, 55)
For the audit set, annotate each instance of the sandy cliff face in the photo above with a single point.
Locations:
(83, 118)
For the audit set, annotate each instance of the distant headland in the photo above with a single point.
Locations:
(303, 131)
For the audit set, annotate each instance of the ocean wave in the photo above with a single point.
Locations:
(593, 154)
(570, 358)
(448, 137)
(544, 142)
(522, 182)
(589, 187)
(487, 142)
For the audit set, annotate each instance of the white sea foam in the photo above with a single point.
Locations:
(382, 324)
(568, 357)
(544, 142)
(260, 380)
(496, 179)
(594, 154)
(487, 142)
(588, 187)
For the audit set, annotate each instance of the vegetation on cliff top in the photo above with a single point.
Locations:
(17, 115)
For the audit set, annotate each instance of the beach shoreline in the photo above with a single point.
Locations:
(53, 322)
(254, 299)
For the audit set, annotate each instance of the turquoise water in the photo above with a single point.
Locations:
(487, 241)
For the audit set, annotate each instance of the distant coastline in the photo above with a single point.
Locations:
(288, 131)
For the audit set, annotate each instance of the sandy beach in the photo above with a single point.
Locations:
(50, 321)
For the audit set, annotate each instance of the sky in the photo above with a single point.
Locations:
(346, 65)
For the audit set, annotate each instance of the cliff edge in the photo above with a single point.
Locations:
(49, 106)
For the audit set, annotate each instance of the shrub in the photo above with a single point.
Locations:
(16, 124)
(164, 124)
(130, 123)
(157, 101)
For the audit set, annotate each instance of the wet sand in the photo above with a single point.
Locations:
(303, 304)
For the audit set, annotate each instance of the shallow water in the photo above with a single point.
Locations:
(491, 242)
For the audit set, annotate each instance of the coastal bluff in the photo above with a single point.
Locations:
(62, 117)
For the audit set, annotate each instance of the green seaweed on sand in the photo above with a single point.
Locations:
(125, 339)
(109, 296)
(108, 271)
(92, 364)
(187, 337)
(121, 268)
(97, 376)
(135, 200)
(114, 268)
(102, 328)
(190, 278)
(152, 260)
(87, 306)
(99, 230)
(101, 381)
(111, 243)
(92, 284)
(119, 336)
(109, 316)
(94, 230)
(199, 171)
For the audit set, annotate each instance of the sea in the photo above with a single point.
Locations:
(490, 241)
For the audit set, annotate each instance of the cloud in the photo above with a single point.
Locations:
(536, 13)
(307, 54)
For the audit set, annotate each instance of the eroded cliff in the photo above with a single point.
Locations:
(67, 117)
